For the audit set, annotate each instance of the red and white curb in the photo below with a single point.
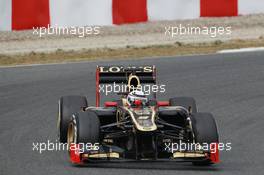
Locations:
(26, 14)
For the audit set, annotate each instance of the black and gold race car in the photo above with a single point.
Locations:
(134, 126)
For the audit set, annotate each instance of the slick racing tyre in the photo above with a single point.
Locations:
(187, 102)
(84, 128)
(68, 105)
(205, 131)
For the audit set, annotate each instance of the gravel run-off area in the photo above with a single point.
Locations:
(16, 43)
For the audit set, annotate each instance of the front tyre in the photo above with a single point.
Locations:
(205, 131)
(84, 128)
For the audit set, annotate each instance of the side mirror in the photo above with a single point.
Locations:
(163, 103)
(110, 104)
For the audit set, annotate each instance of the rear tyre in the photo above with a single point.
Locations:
(187, 102)
(68, 105)
(205, 131)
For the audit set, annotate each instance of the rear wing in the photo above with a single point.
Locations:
(120, 74)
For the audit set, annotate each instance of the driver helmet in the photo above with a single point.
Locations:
(135, 97)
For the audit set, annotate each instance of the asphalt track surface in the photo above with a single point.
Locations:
(231, 86)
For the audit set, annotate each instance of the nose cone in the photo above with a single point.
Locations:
(144, 120)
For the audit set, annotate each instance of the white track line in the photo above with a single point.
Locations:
(251, 49)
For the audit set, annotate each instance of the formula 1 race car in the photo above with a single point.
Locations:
(136, 126)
